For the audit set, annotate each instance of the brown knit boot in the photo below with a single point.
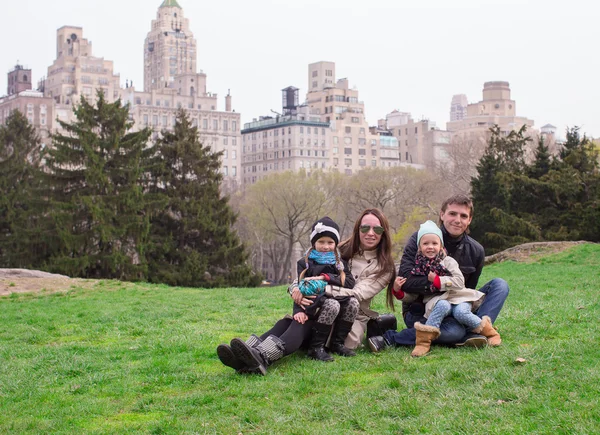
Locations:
(425, 335)
(486, 329)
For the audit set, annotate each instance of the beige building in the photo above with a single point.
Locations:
(420, 143)
(169, 49)
(38, 109)
(496, 108)
(353, 145)
(171, 82)
(328, 131)
(292, 141)
(77, 72)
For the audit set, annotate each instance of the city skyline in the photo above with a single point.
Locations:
(543, 49)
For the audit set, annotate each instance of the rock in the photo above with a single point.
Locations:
(25, 273)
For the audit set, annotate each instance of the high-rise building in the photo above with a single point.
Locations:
(353, 146)
(38, 109)
(458, 107)
(77, 72)
(169, 50)
(420, 143)
(19, 79)
(171, 82)
(291, 141)
(496, 108)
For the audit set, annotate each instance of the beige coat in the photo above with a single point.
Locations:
(364, 268)
(453, 289)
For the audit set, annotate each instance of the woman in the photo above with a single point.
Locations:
(369, 252)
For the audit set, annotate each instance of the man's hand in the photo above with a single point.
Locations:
(301, 300)
(300, 318)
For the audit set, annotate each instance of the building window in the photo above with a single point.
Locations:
(348, 151)
(362, 152)
(215, 124)
(205, 124)
(362, 162)
(348, 130)
(224, 141)
(225, 125)
(234, 171)
(335, 150)
(348, 162)
(315, 73)
(374, 153)
(347, 140)
(225, 170)
(355, 120)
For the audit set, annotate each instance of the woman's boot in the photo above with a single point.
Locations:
(228, 358)
(486, 329)
(341, 329)
(259, 358)
(318, 338)
(425, 335)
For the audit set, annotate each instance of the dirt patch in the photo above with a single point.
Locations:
(25, 281)
(529, 252)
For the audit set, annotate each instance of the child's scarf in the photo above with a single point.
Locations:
(424, 265)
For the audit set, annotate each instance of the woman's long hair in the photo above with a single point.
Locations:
(351, 247)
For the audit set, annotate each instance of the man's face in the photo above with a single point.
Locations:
(456, 219)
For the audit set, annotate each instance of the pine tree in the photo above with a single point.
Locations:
(542, 160)
(95, 194)
(496, 226)
(192, 240)
(20, 155)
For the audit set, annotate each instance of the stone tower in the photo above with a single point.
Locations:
(169, 49)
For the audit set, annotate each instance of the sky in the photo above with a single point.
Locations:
(405, 55)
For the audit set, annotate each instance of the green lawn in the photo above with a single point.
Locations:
(137, 358)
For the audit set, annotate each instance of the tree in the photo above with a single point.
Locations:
(495, 226)
(94, 193)
(20, 155)
(192, 242)
(281, 209)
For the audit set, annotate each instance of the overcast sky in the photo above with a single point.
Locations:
(412, 56)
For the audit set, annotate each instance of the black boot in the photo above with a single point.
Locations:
(378, 343)
(341, 329)
(228, 358)
(383, 323)
(318, 338)
(258, 359)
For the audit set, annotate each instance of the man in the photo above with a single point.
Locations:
(455, 217)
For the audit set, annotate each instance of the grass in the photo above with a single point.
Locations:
(137, 358)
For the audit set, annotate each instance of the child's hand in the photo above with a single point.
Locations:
(398, 283)
(300, 318)
(431, 276)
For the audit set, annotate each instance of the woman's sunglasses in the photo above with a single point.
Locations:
(376, 229)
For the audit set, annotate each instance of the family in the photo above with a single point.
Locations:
(337, 281)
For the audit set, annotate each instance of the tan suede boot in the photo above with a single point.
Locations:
(486, 329)
(425, 335)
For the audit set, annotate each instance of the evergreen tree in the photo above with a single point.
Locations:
(495, 226)
(542, 161)
(192, 242)
(20, 155)
(95, 195)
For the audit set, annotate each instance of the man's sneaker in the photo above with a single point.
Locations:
(473, 340)
(377, 343)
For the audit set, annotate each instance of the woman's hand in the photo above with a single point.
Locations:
(301, 300)
(314, 278)
(399, 282)
(300, 318)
